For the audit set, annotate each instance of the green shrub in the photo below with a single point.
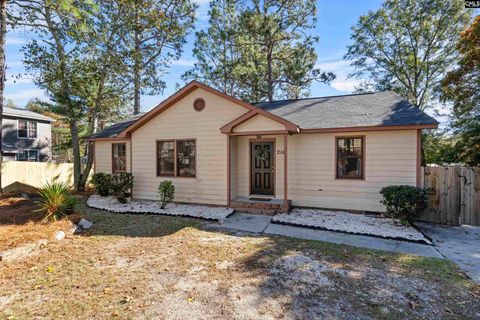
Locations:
(55, 201)
(102, 183)
(166, 189)
(404, 202)
(121, 185)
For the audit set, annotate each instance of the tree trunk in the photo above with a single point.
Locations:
(136, 72)
(3, 34)
(84, 176)
(269, 75)
(76, 154)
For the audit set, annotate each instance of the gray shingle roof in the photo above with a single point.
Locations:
(113, 130)
(371, 109)
(24, 113)
(357, 110)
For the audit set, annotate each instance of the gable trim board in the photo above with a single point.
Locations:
(305, 168)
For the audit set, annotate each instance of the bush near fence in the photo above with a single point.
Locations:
(454, 196)
(29, 176)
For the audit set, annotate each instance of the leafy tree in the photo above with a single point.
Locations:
(462, 87)
(438, 148)
(107, 92)
(406, 46)
(54, 57)
(216, 50)
(154, 36)
(75, 64)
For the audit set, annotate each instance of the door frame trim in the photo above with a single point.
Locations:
(250, 141)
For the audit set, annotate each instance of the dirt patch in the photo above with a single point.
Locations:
(21, 223)
(156, 267)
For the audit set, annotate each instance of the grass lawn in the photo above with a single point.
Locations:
(156, 267)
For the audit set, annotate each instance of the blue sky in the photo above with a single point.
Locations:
(335, 19)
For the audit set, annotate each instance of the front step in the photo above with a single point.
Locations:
(265, 212)
(260, 207)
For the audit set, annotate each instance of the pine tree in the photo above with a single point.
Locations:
(154, 37)
(259, 50)
(216, 50)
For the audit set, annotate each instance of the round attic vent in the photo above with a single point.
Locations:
(199, 104)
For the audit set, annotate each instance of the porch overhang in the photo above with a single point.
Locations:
(287, 126)
(286, 203)
(261, 133)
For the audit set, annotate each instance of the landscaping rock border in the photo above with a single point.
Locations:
(110, 204)
(34, 248)
(350, 223)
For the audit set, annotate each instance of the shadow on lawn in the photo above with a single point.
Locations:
(132, 225)
(328, 280)
(17, 210)
(325, 280)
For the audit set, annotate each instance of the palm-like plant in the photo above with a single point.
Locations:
(55, 201)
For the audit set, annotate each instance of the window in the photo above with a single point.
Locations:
(186, 158)
(350, 158)
(27, 129)
(27, 155)
(176, 158)
(166, 158)
(119, 157)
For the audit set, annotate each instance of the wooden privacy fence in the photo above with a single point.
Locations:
(28, 176)
(454, 195)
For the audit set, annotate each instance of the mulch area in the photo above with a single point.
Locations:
(21, 222)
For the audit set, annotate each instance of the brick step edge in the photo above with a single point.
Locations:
(266, 212)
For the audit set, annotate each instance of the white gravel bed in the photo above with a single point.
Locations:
(153, 207)
(351, 223)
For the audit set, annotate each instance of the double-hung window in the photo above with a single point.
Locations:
(119, 157)
(27, 129)
(350, 157)
(27, 155)
(176, 158)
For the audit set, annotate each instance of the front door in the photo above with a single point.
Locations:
(262, 167)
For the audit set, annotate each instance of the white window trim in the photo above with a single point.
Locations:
(37, 158)
(18, 129)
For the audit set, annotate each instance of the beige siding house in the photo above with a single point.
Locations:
(330, 152)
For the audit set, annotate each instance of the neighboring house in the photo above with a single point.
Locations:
(331, 152)
(26, 135)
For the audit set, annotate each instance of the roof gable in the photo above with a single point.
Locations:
(193, 85)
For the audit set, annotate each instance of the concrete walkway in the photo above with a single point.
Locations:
(459, 244)
(262, 224)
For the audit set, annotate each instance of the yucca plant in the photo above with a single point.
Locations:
(55, 201)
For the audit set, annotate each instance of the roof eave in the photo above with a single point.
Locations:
(13, 115)
(116, 138)
(370, 128)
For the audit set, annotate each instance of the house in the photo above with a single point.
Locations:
(331, 152)
(26, 135)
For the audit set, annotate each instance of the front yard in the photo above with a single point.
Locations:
(155, 267)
